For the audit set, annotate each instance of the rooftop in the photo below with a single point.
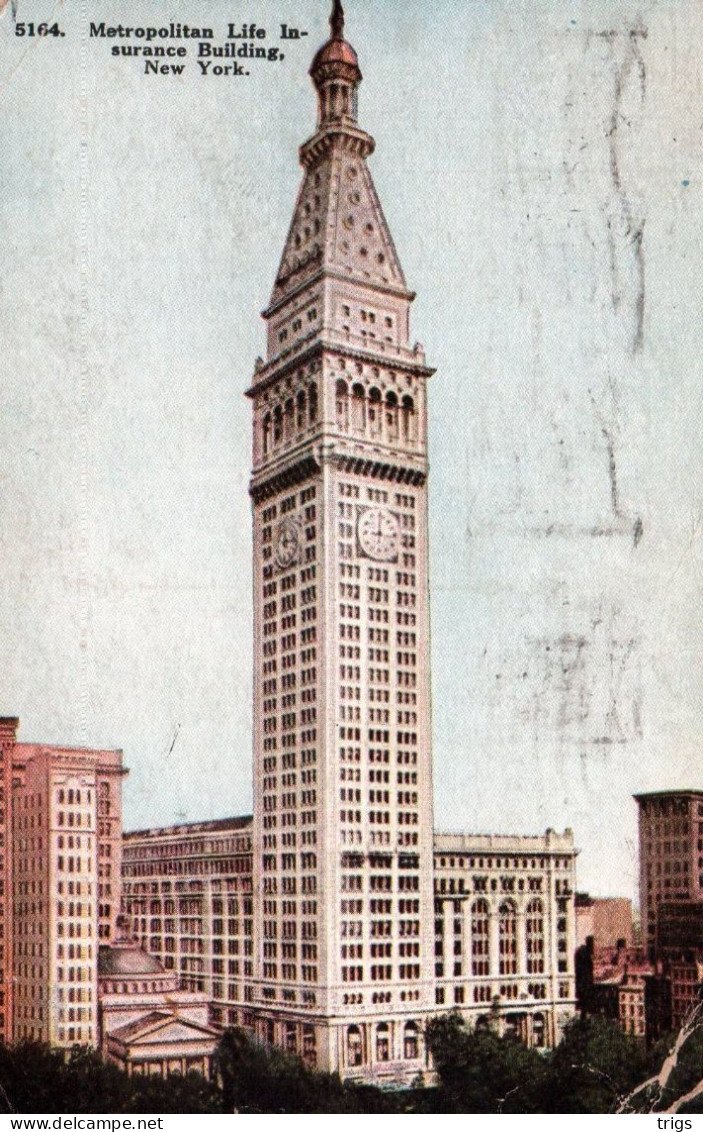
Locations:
(550, 841)
(668, 794)
(218, 825)
(127, 960)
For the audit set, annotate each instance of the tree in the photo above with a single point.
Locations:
(35, 1078)
(676, 1086)
(593, 1067)
(260, 1078)
(481, 1072)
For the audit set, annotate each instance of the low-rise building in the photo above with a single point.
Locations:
(148, 1023)
(187, 890)
(608, 919)
(686, 981)
(505, 930)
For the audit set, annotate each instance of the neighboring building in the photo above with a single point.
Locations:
(342, 752)
(671, 865)
(671, 891)
(651, 990)
(65, 856)
(8, 740)
(148, 1023)
(608, 919)
(70, 977)
(616, 983)
(657, 1005)
(679, 928)
(629, 970)
(187, 890)
(505, 931)
(685, 977)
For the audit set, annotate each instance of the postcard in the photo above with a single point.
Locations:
(350, 526)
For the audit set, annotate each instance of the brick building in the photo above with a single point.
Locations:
(607, 919)
(62, 819)
(671, 870)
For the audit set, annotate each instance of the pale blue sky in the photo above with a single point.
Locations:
(539, 166)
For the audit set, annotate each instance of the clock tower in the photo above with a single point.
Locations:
(343, 934)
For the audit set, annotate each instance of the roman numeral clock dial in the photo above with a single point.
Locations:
(379, 535)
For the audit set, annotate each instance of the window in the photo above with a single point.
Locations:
(507, 938)
(480, 938)
(383, 1042)
(342, 401)
(411, 1045)
(355, 1053)
(534, 937)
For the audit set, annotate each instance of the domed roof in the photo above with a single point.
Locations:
(336, 51)
(127, 960)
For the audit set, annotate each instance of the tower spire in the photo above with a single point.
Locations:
(336, 75)
(337, 20)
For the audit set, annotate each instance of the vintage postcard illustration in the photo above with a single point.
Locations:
(350, 510)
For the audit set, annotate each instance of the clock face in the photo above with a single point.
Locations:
(287, 543)
(379, 536)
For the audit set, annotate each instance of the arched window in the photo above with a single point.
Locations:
(342, 401)
(301, 405)
(534, 937)
(411, 1045)
(539, 1031)
(383, 1042)
(277, 425)
(408, 419)
(312, 403)
(507, 938)
(358, 408)
(266, 434)
(289, 418)
(375, 410)
(355, 1052)
(392, 416)
(480, 938)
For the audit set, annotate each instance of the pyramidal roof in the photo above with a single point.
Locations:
(338, 225)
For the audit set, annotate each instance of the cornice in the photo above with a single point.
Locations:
(274, 370)
(321, 144)
(266, 484)
(284, 477)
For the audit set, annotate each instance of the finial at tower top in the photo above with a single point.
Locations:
(335, 72)
(337, 20)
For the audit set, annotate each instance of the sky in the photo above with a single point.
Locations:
(539, 167)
